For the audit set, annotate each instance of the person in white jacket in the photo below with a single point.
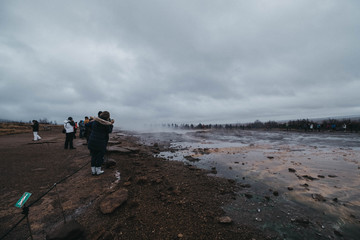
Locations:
(69, 125)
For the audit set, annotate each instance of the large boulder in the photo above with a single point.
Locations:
(113, 201)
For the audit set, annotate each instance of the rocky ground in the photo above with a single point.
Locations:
(138, 197)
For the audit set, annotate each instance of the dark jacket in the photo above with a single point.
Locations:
(36, 126)
(99, 136)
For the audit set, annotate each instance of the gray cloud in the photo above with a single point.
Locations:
(189, 61)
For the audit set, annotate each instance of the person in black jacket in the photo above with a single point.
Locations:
(35, 127)
(100, 129)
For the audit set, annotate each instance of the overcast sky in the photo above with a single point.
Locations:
(188, 61)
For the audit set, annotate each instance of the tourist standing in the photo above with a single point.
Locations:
(35, 127)
(69, 127)
(82, 128)
(100, 129)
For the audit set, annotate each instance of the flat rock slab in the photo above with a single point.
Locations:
(118, 149)
(113, 201)
(133, 149)
(112, 142)
(124, 150)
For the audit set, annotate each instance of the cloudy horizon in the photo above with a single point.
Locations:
(179, 62)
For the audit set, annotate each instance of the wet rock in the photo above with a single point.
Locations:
(118, 149)
(192, 168)
(321, 176)
(133, 149)
(292, 170)
(232, 181)
(318, 197)
(270, 157)
(332, 176)
(302, 221)
(191, 158)
(70, 230)
(225, 220)
(113, 201)
(290, 188)
(304, 185)
(113, 142)
(309, 177)
(338, 233)
(248, 195)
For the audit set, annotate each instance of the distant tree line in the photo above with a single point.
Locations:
(293, 125)
(41, 121)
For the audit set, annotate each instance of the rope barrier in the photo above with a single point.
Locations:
(26, 208)
(8, 232)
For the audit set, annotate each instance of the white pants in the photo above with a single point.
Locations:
(36, 136)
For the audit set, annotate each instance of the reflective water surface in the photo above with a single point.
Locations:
(297, 184)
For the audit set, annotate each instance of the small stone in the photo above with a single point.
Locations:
(302, 221)
(245, 185)
(192, 159)
(332, 176)
(337, 233)
(321, 176)
(276, 193)
(292, 170)
(309, 177)
(127, 184)
(290, 188)
(225, 220)
(318, 197)
(248, 195)
(180, 235)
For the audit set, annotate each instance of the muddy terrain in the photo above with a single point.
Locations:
(164, 199)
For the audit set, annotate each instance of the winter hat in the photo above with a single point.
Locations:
(105, 115)
(70, 118)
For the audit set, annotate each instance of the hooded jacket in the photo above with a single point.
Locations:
(99, 137)
(69, 126)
